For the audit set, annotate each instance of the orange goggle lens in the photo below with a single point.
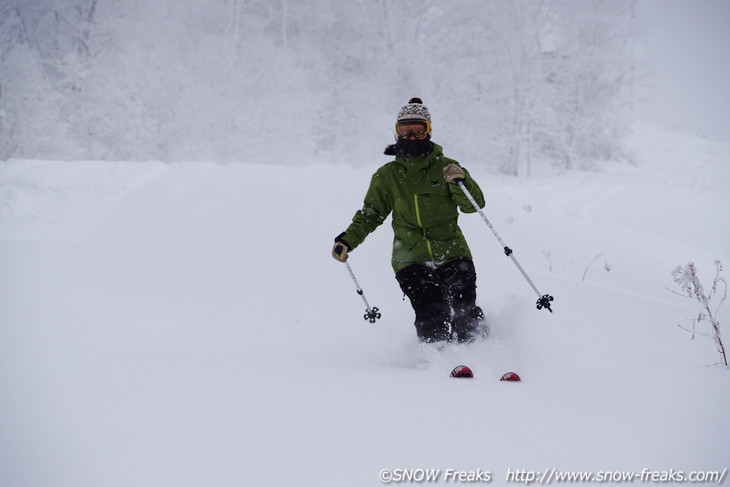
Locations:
(424, 130)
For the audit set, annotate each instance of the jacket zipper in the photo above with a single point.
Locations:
(420, 224)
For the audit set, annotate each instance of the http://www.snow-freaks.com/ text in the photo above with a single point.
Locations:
(549, 476)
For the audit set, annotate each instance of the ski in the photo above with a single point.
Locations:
(464, 372)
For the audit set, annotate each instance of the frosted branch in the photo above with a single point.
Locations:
(689, 282)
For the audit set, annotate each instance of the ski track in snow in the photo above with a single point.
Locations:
(184, 324)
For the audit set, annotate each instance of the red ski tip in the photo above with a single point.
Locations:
(511, 377)
(462, 372)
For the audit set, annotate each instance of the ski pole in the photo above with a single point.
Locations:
(544, 299)
(371, 314)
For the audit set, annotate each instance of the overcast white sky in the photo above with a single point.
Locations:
(688, 42)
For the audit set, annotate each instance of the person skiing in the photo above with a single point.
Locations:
(431, 259)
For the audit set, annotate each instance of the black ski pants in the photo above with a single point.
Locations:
(444, 300)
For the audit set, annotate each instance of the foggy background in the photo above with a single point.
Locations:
(689, 73)
(516, 85)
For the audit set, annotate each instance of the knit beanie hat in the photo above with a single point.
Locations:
(414, 112)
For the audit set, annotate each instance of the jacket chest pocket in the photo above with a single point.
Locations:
(435, 204)
(431, 184)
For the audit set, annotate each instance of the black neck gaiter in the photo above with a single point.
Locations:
(408, 147)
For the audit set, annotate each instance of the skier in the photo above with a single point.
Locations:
(431, 258)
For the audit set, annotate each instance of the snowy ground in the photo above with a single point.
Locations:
(184, 325)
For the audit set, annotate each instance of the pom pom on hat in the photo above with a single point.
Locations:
(414, 112)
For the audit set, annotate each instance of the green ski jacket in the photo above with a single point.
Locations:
(424, 208)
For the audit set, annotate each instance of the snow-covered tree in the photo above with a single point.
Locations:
(589, 77)
(510, 82)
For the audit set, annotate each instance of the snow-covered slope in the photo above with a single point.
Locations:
(184, 325)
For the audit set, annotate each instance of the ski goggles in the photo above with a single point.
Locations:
(417, 130)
